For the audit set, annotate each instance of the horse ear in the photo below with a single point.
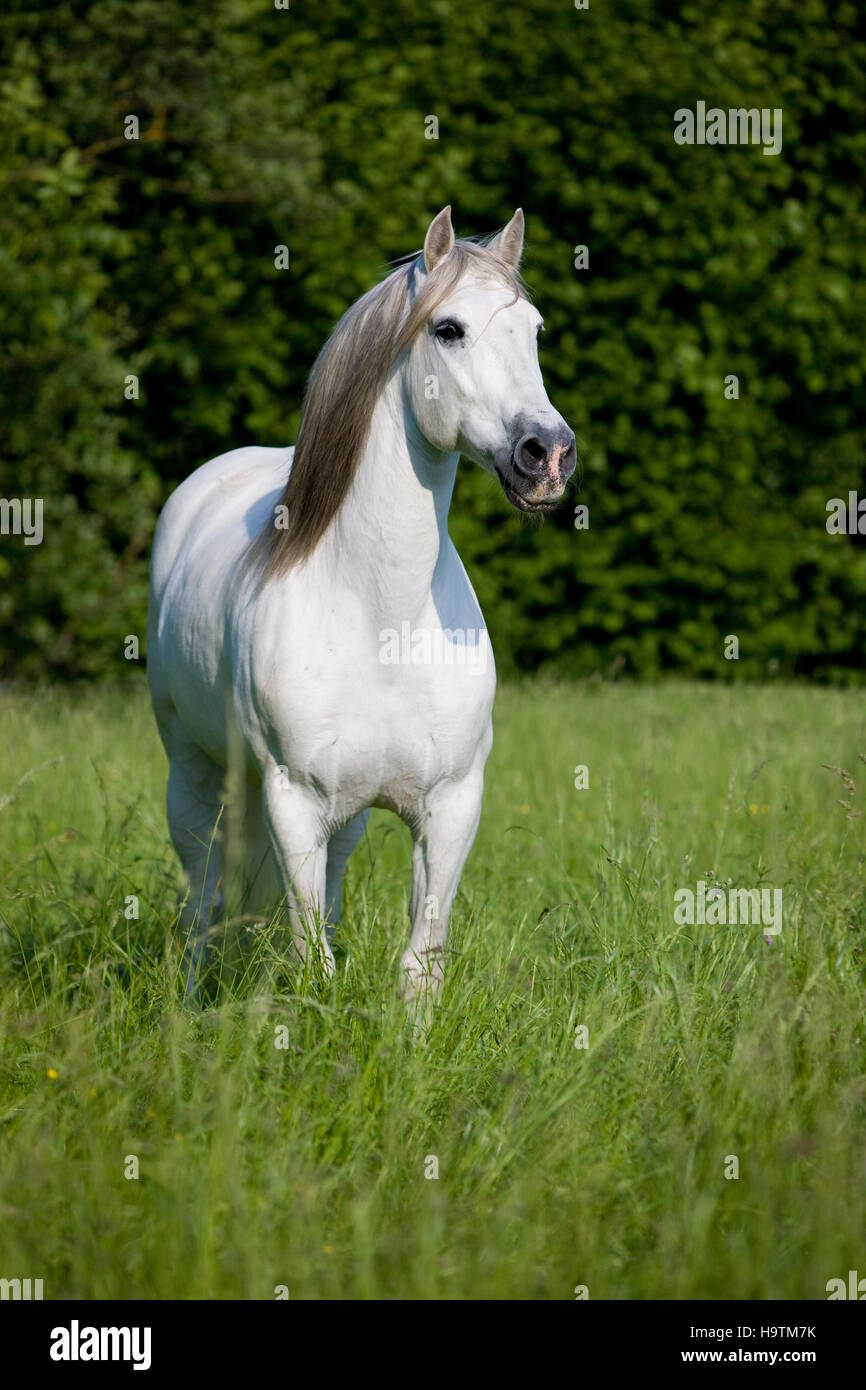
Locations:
(439, 239)
(508, 245)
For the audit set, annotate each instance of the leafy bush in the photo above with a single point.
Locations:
(306, 127)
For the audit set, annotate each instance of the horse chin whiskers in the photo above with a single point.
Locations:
(535, 505)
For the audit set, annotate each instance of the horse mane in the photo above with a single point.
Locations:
(347, 379)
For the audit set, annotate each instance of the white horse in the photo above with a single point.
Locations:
(309, 608)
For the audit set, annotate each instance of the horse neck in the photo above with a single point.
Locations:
(392, 528)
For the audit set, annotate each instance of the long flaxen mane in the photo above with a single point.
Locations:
(347, 379)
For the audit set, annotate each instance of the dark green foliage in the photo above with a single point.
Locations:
(306, 127)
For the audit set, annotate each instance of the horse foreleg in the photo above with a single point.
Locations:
(301, 852)
(442, 843)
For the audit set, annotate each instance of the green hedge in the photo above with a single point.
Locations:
(306, 127)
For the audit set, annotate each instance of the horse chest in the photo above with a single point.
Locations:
(384, 737)
(366, 713)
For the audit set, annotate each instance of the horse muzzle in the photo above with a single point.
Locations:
(535, 474)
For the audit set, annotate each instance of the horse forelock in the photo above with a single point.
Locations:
(344, 385)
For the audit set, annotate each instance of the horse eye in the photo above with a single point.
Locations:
(448, 331)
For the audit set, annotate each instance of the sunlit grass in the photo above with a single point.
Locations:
(304, 1164)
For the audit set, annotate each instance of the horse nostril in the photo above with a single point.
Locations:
(530, 456)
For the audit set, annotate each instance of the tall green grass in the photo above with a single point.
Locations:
(305, 1165)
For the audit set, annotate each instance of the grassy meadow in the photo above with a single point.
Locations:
(309, 1165)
